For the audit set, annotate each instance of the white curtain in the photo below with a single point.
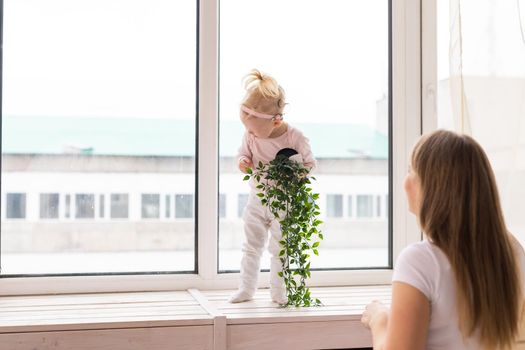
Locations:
(484, 93)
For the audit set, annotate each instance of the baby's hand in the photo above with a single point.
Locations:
(245, 163)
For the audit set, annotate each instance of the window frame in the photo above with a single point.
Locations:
(406, 126)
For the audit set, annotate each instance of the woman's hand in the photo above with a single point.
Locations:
(402, 326)
(375, 312)
(245, 163)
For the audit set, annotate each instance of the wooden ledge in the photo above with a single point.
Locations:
(190, 319)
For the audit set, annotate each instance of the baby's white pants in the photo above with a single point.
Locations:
(258, 220)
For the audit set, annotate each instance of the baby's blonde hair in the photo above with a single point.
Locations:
(263, 94)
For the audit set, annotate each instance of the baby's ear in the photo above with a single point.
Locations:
(277, 122)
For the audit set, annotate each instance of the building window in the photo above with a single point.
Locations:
(15, 205)
(49, 204)
(334, 205)
(378, 206)
(101, 205)
(365, 206)
(119, 206)
(350, 206)
(150, 206)
(168, 206)
(85, 206)
(183, 206)
(242, 201)
(67, 209)
(222, 205)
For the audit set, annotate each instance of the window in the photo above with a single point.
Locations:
(16, 205)
(386, 204)
(378, 206)
(108, 110)
(107, 114)
(150, 206)
(119, 205)
(101, 206)
(350, 206)
(222, 205)
(49, 204)
(242, 200)
(349, 140)
(168, 205)
(334, 205)
(67, 208)
(85, 206)
(365, 206)
(183, 206)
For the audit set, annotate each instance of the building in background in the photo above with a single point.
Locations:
(113, 184)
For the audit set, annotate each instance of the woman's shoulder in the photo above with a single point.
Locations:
(420, 265)
(419, 249)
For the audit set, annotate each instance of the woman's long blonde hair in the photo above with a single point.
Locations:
(461, 214)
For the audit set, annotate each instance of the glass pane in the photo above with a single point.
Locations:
(168, 205)
(242, 200)
(85, 206)
(183, 206)
(68, 206)
(98, 108)
(222, 205)
(49, 203)
(350, 206)
(101, 206)
(336, 82)
(15, 205)
(334, 205)
(119, 205)
(364, 206)
(150, 206)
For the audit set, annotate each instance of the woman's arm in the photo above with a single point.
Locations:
(405, 326)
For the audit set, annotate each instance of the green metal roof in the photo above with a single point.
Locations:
(169, 137)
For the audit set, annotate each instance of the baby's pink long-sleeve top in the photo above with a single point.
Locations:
(264, 150)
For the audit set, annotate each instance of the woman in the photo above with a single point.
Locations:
(461, 288)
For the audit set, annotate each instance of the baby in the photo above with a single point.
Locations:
(266, 134)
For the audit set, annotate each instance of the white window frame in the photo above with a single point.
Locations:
(429, 117)
(406, 128)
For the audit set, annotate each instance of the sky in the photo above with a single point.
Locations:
(129, 58)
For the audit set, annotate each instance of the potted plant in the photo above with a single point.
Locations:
(285, 188)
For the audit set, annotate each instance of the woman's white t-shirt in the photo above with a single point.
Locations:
(425, 267)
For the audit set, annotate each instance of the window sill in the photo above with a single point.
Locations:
(185, 319)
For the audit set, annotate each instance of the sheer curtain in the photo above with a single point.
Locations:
(482, 88)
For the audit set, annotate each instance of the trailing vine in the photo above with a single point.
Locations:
(285, 188)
